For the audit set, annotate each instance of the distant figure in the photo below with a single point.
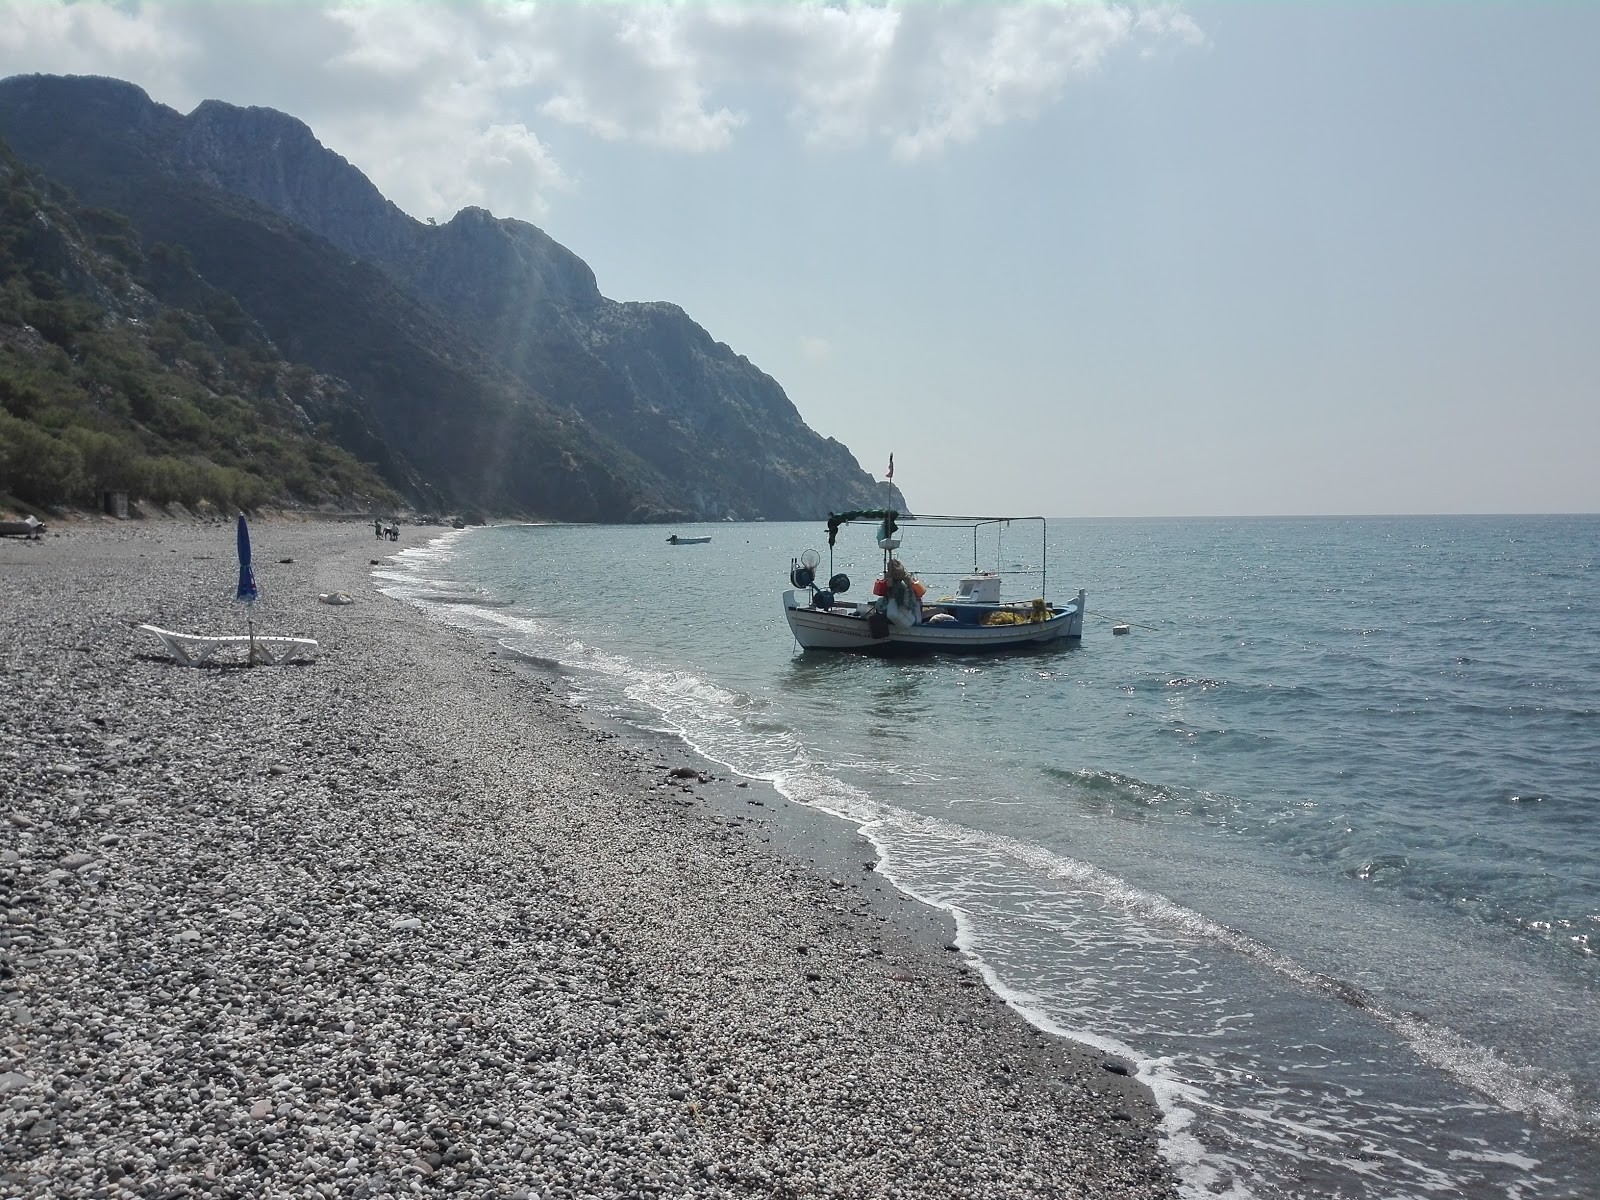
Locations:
(394, 533)
(901, 605)
(673, 539)
(377, 528)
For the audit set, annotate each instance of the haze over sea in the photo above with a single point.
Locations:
(1317, 845)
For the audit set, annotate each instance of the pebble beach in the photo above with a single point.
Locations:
(402, 920)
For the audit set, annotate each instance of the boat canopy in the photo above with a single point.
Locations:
(887, 516)
(890, 518)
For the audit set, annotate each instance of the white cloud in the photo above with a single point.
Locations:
(816, 349)
(1169, 22)
(457, 103)
(85, 39)
(997, 64)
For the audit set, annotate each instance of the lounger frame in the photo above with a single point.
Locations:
(194, 649)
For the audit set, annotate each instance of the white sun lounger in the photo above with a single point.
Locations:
(192, 649)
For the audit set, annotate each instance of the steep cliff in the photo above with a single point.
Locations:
(484, 345)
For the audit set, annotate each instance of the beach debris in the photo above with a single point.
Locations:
(286, 560)
(689, 773)
(1121, 629)
(1115, 1068)
(406, 923)
(336, 598)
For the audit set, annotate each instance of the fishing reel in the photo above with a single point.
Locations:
(803, 574)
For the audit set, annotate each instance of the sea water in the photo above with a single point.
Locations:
(1316, 844)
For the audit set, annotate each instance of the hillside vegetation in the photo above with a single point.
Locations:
(104, 387)
(483, 367)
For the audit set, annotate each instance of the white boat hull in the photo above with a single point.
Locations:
(845, 627)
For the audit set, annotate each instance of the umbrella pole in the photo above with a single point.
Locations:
(250, 622)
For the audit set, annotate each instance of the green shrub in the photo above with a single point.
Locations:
(37, 467)
(18, 397)
(62, 321)
(110, 461)
(179, 419)
(167, 480)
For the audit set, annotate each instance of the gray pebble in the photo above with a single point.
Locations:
(605, 1001)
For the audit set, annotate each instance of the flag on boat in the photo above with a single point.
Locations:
(890, 473)
(248, 592)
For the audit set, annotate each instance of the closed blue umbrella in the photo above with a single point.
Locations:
(248, 592)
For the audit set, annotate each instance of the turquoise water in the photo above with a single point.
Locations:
(1317, 844)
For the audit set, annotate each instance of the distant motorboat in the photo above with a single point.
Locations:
(683, 541)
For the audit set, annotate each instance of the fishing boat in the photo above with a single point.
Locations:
(903, 617)
(683, 541)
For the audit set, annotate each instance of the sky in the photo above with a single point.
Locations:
(1059, 256)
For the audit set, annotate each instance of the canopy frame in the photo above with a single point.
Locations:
(892, 521)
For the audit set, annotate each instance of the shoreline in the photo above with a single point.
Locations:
(403, 921)
(830, 846)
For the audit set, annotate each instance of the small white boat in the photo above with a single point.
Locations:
(975, 619)
(683, 541)
(29, 527)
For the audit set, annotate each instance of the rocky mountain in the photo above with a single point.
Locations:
(123, 371)
(485, 350)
